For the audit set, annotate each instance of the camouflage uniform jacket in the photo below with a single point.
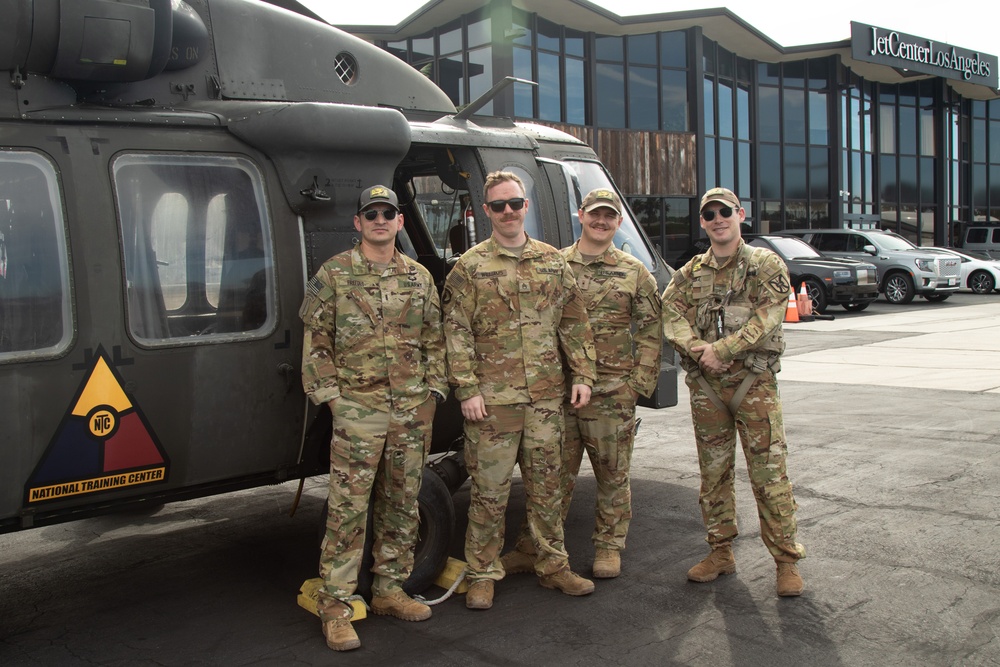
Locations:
(374, 338)
(750, 289)
(507, 320)
(619, 291)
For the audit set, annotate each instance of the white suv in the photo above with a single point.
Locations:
(905, 270)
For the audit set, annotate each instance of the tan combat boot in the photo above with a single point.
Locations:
(518, 562)
(607, 564)
(340, 634)
(568, 582)
(790, 581)
(720, 561)
(480, 594)
(400, 605)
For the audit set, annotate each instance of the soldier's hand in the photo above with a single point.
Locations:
(708, 361)
(579, 395)
(474, 409)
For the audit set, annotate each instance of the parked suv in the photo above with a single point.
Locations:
(904, 269)
(828, 280)
(984, 238)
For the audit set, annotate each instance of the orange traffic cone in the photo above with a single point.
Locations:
(805, 305)
(792, 311)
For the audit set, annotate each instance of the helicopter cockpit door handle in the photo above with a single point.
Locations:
(288, 371)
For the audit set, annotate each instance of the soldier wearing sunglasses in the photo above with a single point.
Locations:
(512, 313)
(374, 353)
(620, 296)
(723, 312)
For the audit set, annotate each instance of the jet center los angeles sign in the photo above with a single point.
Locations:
(896, 49)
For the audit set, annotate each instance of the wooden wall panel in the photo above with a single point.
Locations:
(662, 164)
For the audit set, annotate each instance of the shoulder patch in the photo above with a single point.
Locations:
(779, 284)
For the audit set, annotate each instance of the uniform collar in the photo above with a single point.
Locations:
(531, 248)
(609, 256)
(709, 258)
(361, 265)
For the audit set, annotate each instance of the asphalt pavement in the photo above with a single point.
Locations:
(893, 422)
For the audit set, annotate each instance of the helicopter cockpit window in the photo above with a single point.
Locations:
(581, 178)
(35, 313)
(197, 247)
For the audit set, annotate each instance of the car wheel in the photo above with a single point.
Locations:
(856, 307)
(817, 295)
(899, 288)
(935, 298)
(981, 282)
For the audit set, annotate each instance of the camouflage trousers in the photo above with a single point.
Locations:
(529, 434)
(379, 457)
(762, 435)
(605, 429)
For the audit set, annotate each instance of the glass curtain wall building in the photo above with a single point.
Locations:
(807, 137)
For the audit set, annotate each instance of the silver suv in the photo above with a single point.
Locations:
(905, 270)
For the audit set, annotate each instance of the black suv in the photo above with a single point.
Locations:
(828, 280)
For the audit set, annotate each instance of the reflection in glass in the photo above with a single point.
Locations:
(674, 100)
(576, 94)
(769, 117)
(642, 49)
(794, 116)
(523, 93)
(819, 129)
(795, 172)
(610, 95)
(642, 96)
(481, 76)
(549, 85)
(673, 49)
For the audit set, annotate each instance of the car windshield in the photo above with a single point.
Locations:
(793, 248)
(891, 241)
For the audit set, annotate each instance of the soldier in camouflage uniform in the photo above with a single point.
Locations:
(619, 293)
(374, 352)
(512, 310)
(723, 312)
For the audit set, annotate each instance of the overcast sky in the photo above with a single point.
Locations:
(970, 24)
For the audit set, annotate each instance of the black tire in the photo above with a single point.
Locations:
(856, 307)
(437, 529)
(817, 294)
(981, 282)
(935, 298)
(898, 288)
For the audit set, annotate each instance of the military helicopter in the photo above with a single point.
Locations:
(171, 174)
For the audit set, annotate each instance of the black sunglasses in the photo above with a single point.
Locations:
(372, 213)
(499, 205)
(709, 216)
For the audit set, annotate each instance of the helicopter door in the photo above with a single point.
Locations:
(201, 299)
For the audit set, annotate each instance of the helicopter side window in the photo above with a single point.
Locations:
(35, 311)
(196, 240)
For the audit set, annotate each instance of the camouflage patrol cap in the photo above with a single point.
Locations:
(601, 197)
(721, 195)
(377, 194)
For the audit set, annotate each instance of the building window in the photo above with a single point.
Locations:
(793, 151)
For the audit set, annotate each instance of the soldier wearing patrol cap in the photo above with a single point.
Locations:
(723, 312)
(512, 311)
(374, 353)
(620, 294)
